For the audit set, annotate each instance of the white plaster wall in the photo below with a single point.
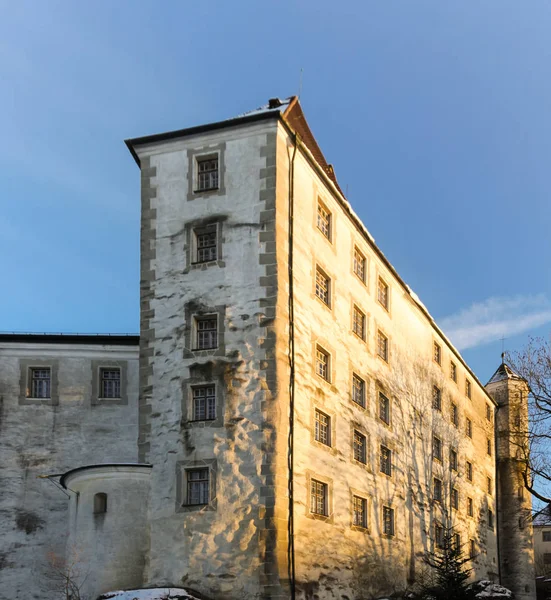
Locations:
(215, 551)
(332, 557)
(108, 548)
(41, 440)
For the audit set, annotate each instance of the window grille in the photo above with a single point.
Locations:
(468, 391)
(110, 383)
(360, 511)
(388, 520)
(382, 293)
(469, 428)
(453, 460)
(324, 220)
(207, 336)
(358, 390)
(455, 499)
(472, 549)
(489, 485)
(437, 489)
(40, 382)
(439, 536)
(384, 408)
(359, 447)
(437, 353)
(358, 325)
(437, 448)
(322, 286)
(323, 428)
(454, 415)
(382, 345)
(469, 466)
(198, 486)
(386, 460)
(436, 398)
(470, 507)
(488, 446)
(457, 541)
(204, 403)
(359, 264)
(488, 413)
(207, 174)
(322, 364)
(453, 371)
(206, 246)
(546, 536)
(318, 497)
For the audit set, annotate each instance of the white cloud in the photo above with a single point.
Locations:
(488, 321)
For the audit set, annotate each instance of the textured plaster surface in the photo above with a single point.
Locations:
(44, 439)
(229, 549)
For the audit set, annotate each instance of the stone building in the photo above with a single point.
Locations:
(311, 431)
(542, 542)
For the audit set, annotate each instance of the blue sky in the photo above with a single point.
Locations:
(435, 115)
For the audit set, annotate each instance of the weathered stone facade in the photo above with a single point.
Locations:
(41, 437)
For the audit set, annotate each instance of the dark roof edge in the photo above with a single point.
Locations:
(100, 339)
(179, 133)
(67, 474)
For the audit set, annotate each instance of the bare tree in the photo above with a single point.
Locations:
(533, 363)
(67, 574)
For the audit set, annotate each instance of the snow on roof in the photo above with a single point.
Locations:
(150, 594)
(543, 518)
(273, 105)
(503, 372)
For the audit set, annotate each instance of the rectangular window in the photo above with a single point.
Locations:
(205, 244)
(110, 383)
(472, 549)
(382, 293)
(489, 485)
(546, 536)
(318, 498)
(488, 446)
(41, 378)
(455, 498)
(204, 403)
(437, 489)
(490, 519)
(470, 507)
(388, 520)
(439, 536)
(488, 413)
(197, 486)
(384, 408)
(469, 428)
(386, 461)
(323, 287)
(468, 391)
(469, 470)
(322, 428)
(207, 173)
(454, 414)
(547, 559)
(360, 511)
(382, 345)
(436, 398)
(453, 371)
(453, 459)
(457, 541)
(437, 353)
(437, 448)
(324, 220)
(322, 364)
(358, 390)
(207, 333)
(359, 264)
(358, 323)
(360, 447)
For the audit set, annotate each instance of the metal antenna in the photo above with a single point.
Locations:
(503, 338)
(300, 83)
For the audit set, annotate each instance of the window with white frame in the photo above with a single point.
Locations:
(323, 364)
(385, 460)
(198, 486)
(324, 220)
(382, 345)
(360, 447)
(358, 390)
(318, 498)
(388, 520)
(206, 244)
(204, 403)
(359, 507)
(40, 382)
(207, 332)
(207, 173)
(384, 408)
(110, 382)
(359, 264)
(382, 293)
(322, 428)
(323, 286)
(358, 323)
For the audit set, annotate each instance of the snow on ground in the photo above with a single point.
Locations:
(151, 594)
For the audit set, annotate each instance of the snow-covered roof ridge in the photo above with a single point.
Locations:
(503, 372)
(273, 105)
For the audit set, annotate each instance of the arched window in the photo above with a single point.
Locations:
(100, 503)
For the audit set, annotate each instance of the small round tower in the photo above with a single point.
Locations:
(108, 534)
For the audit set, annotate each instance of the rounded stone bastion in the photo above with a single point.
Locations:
(108, 533)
